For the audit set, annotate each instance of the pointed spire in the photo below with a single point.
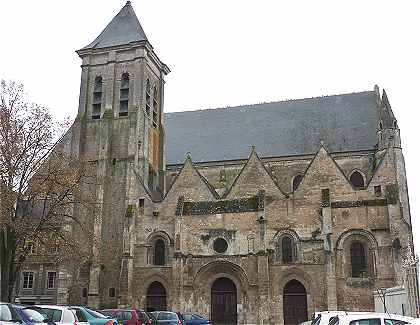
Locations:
(123, 29)
(386, 114)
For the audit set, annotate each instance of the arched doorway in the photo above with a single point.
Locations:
(223, 302)
(295, 304)
(156, 297)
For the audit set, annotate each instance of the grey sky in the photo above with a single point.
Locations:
(225, 53)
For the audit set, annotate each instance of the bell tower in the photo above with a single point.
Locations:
(119, 129)
(121, 98)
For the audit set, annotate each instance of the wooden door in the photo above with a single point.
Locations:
(156, 297)
(295, 305)
(223, 302)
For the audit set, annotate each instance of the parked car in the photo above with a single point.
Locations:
(93, 317)
(194, 319)
(371, 319)
(128, 316)
(59, 315)
(324, 317)
(308, 322)
(169, 318)
(153, 318)
(11, 314)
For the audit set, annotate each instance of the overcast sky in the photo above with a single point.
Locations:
(232, 52)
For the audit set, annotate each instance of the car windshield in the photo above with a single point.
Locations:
(33, 315)
(8, 314)
(109, 312)
(95, 313)
(167, 316)
(142, 316)
(53, 315)
(187, 316)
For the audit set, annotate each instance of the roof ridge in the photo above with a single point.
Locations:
(272, 102)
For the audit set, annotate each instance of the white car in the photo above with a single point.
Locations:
(371, 319)
(59, 315)
(324, 317)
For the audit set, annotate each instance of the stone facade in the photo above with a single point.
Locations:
(170, 232)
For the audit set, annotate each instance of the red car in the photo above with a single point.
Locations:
(128, 316)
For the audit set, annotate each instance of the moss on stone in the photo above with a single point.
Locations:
(130, 211)
(108, 114)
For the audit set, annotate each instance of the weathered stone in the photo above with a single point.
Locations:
(161, 236)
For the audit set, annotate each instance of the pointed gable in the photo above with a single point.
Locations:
(123, 29)
(253, 178)
(191, 184)
(323, 172)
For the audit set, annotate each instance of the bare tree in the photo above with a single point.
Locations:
(42, 200)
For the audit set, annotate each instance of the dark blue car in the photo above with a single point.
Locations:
(194, 319)
(11, 314)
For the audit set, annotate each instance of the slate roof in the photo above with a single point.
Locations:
(343, 122)
(123, 29)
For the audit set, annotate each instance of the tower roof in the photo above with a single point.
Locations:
(124, 28)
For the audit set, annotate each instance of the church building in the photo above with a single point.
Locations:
(256, 214)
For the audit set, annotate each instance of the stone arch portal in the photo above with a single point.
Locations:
(295, 303)
(224, 299)
(156, 297)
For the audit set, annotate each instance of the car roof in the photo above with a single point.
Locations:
(51, 307)
(337, 312)
(119, 309)
(374, 315)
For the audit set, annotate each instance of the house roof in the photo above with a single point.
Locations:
(345, 122)
(123, 29)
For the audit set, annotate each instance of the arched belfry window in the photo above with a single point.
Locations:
(124, 92)
(358, 260)
(357, 180)
(296, 181)
(159, 252)
(155, 107)
(148, 96)
(286, 250)
(97, 99)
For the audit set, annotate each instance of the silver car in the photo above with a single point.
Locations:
(59, 315)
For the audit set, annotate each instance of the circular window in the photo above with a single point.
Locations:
(220, 245)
